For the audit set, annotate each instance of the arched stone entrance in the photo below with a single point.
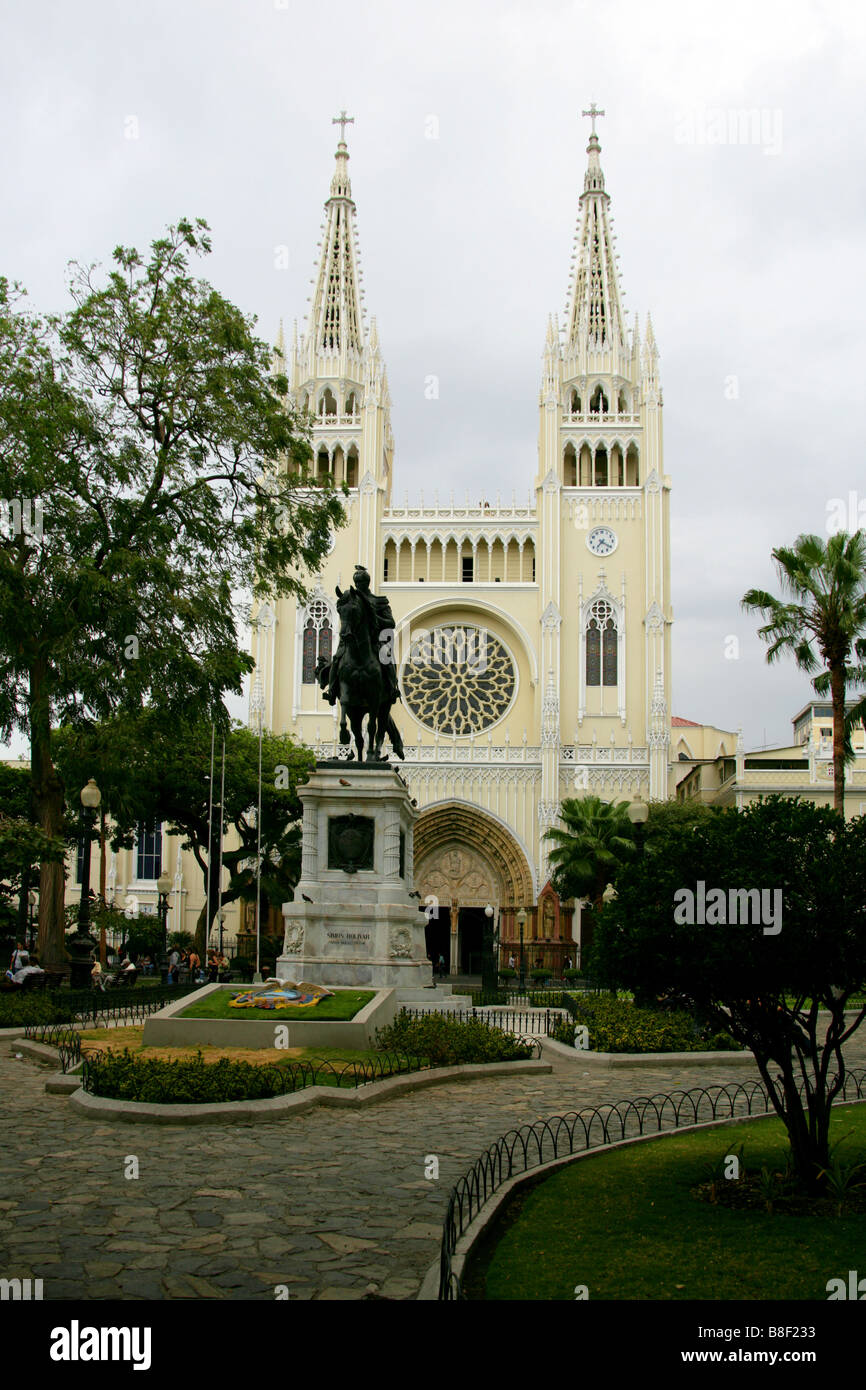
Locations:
(465, 859)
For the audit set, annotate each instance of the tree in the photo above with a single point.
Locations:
(823, 624)
(156, 770)
(764, 981)
(154, 467)
(598, 837)
(23, 846)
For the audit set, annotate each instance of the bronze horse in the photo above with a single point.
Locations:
(363, 689)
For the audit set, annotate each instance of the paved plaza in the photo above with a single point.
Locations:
(333, 1205)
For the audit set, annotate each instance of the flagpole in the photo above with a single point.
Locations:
(258, 975)
(209, 846)
(222, 818)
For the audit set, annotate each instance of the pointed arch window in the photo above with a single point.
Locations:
(148, 861)
(601, 639)
(318, 639)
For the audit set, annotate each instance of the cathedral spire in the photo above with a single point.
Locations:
(336, 324)
(595, 319)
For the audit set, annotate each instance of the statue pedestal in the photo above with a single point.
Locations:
(352, 921)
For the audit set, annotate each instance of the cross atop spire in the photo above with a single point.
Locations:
(593, 112)
(343, 120)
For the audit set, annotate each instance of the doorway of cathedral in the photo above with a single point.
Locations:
(437, 936)
(471, 923)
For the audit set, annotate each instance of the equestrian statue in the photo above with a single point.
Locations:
(362, 673)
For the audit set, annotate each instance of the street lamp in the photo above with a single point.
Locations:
(488, 961)
(521, 923)
(265, 621)
(82, 943)
(31, 899)
(638, 814)
(163, 888)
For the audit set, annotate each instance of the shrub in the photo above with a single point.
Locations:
(616, 1025)
(507, 973)
(124, 1076)
(18, 1008)
(445, 1041)
(539, 973)
(572, 974)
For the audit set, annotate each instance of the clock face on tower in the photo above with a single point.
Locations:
(602, 540)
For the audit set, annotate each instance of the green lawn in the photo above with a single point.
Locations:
(343, 1005)
(626, 1225)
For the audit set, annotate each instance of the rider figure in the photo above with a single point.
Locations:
(380, 620)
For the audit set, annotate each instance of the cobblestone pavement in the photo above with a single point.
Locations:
(330, 1204)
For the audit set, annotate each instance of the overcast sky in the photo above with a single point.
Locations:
(119, 117)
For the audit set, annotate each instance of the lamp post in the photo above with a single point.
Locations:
(264, 622)
(488, 961)
(638, 814)
(82, 943)
(521, 923)
(163, 888)
(31, 901)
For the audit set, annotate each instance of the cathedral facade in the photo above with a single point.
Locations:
(533, 633)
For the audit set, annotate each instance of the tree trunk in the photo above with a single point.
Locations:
(837, 687)
(49, 808)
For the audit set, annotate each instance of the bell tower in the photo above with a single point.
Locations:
(337, 374)
(337, 377)
(604, 519)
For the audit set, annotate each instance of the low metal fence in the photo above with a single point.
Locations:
(594, 1127)
(66, 1039)
(534, 995)
(539, 1023)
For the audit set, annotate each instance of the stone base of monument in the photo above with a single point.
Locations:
(353, 921)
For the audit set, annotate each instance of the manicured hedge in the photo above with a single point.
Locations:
(185, 1081)
(616, 1025)
(20, 1007)
(447, 1041)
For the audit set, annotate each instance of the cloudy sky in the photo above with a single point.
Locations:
(745, 242)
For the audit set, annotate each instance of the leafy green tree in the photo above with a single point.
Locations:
(156, 770)
(822, 625)
(157, 468)
(781, 984)
(23, 846)
(595, 840)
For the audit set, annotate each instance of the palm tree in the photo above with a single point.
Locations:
(822, 625)
(597, 838)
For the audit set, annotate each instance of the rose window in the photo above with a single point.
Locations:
(458, 680)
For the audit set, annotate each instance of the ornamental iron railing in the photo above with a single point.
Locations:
(595, 1127)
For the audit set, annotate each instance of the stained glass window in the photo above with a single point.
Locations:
(309, 663)
(601, 645)
(608, 673)
(318, 639)
(593, 654)
(458, 680)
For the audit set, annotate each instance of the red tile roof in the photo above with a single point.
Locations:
(677, 723)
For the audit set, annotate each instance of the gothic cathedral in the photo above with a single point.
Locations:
(533, 635)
